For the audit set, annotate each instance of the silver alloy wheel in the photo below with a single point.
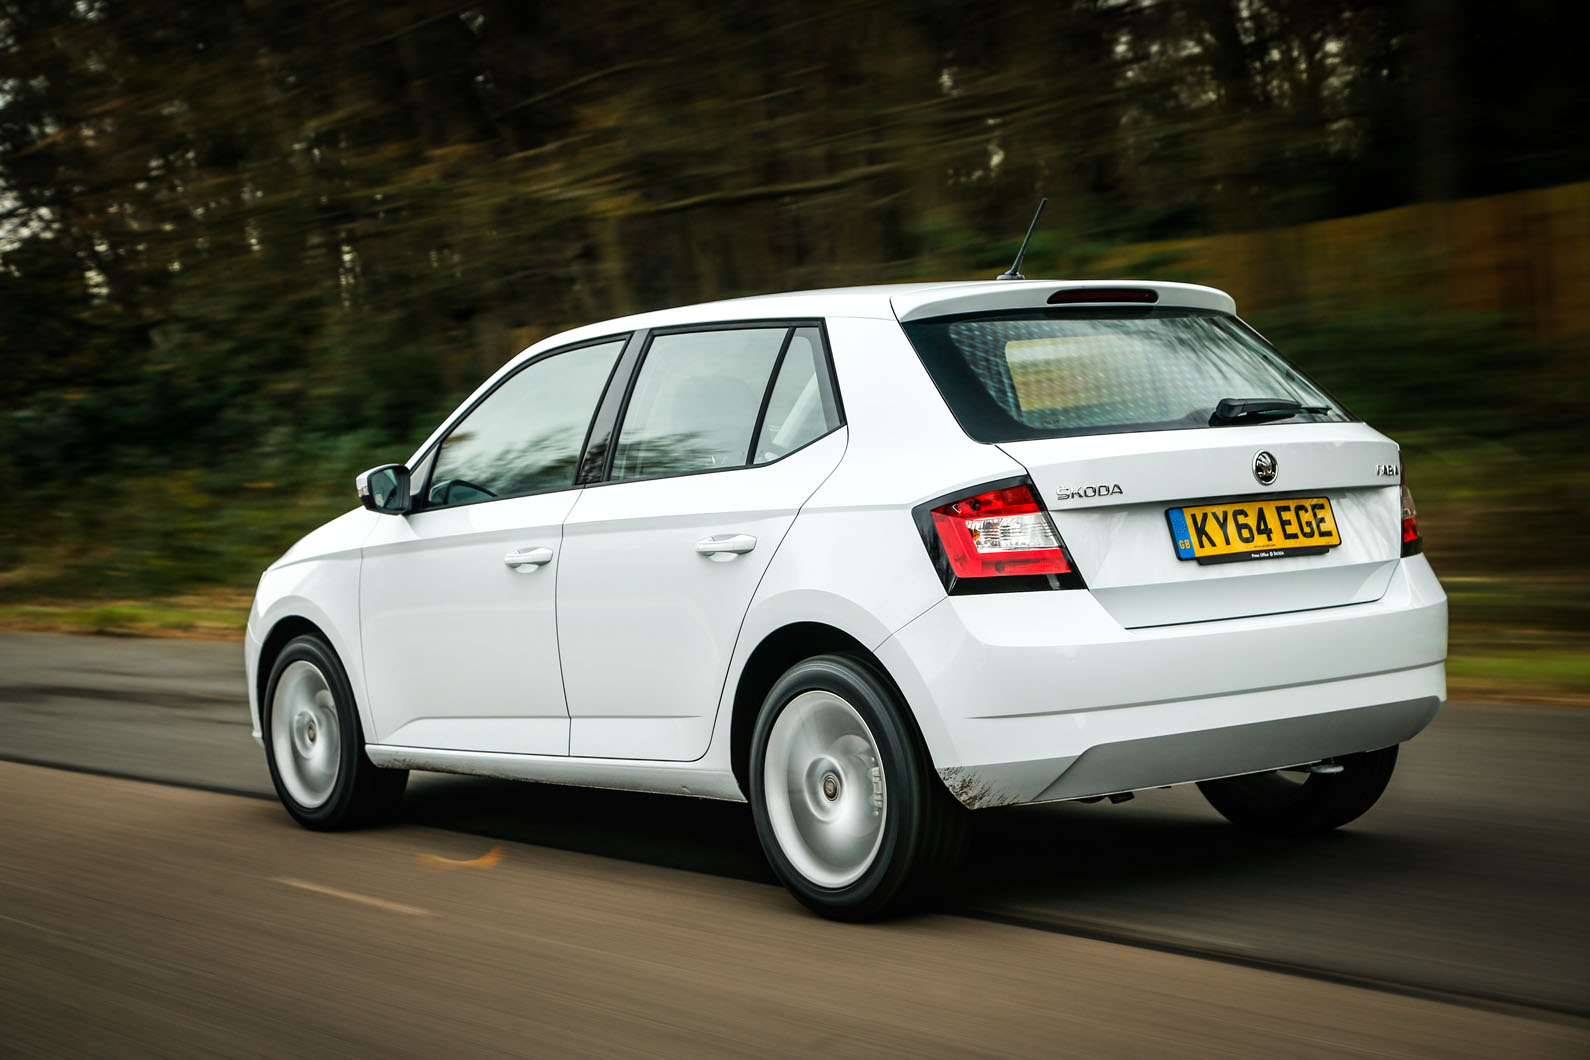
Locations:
(305, 734)
(827, 796)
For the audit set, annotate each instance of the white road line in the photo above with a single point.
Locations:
(36, 927)
(362, 899)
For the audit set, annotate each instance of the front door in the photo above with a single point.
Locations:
(457, 598)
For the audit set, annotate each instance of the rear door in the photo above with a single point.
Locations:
(726, 432)
(1172, 513)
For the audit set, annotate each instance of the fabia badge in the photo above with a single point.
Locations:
(1264, 467)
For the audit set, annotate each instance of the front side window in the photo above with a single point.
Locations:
(1051, 373)
(526, 436)
(695, 402)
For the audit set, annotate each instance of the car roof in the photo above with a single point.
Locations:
(898, 301)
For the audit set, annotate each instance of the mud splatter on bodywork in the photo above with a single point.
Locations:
(972, 791)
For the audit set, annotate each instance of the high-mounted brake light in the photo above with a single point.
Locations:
(998, 533)
(1412, 542)
(1075, 295)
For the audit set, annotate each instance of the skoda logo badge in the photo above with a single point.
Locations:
(1264, 467)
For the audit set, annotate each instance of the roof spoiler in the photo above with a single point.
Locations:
(996, 295)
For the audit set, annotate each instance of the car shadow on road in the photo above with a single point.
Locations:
(698, 835)
(1100, 856)
(1083, 855)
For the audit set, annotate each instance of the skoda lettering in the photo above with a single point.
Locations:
(1087, 493)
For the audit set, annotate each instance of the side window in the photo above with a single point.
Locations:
(801, 407)
(695, 402)
(525, 437)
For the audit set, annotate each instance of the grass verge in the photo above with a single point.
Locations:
(1548, 674)
(218, 617)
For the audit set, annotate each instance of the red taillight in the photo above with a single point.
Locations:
(1412, 543)
(1001, 532)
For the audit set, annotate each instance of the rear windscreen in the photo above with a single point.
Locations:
(1047, 373)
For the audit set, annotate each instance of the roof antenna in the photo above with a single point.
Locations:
(1015, 268)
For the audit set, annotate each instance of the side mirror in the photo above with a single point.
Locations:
(385, 489)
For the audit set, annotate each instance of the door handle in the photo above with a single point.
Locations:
(738, 544)
(523, 559)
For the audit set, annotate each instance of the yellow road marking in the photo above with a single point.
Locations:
(362, 899)
(486, 861)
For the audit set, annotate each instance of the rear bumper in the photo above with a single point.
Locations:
(1034, 697)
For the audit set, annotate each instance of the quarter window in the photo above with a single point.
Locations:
(526, 436)
(695, 402)
(801, 407)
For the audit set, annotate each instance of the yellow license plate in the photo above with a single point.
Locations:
(1254, 529)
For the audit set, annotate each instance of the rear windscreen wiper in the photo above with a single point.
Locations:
(1258, 410)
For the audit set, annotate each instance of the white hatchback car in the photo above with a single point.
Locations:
(865, 558)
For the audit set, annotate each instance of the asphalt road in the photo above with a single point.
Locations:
(151, 920)
(1465, 886)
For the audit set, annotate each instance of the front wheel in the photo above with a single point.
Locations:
(1282, 802)
(314, 744)
(852, 818)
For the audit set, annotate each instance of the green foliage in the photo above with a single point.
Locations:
(1411, 368)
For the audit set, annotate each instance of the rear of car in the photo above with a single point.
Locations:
(1203, 567)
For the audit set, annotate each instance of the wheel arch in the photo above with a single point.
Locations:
(285, 629)
(775, 654)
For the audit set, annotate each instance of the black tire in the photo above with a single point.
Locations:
(359, 793)
(1279, 803)
(922, 834)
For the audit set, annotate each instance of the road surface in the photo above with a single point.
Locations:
(1463, 889)
(150, 920)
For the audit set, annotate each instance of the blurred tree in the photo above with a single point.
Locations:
(218, 219)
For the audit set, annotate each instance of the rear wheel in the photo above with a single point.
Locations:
(314, 744)
(850, 813)
(1284, 802)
